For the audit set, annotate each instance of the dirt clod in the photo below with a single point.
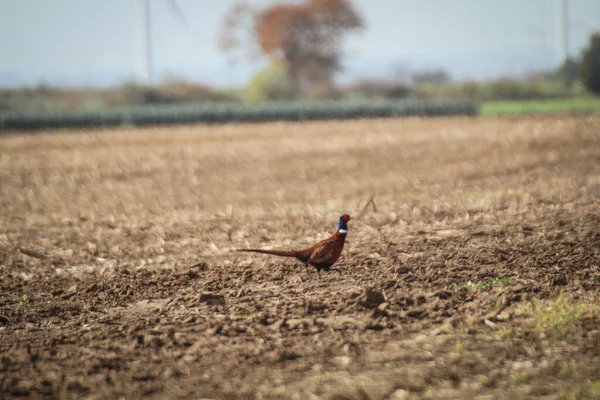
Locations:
(373, 298)
(212, 298)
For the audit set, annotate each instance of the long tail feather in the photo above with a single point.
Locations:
(275, 252)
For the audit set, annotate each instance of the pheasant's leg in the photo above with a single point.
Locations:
(319, 273)
(307, 269)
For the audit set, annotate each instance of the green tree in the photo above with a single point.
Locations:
(590, 65)
(569, 71)
(271, 83)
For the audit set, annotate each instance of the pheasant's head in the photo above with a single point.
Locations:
(342, 226)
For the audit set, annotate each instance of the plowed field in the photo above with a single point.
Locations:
(474, 271)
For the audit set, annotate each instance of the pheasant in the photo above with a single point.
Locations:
(322, 255)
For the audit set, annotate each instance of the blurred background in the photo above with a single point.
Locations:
(68, 55)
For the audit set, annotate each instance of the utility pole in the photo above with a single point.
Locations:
(146, 41)
(563, 42)
(146, 20)
(563, 36)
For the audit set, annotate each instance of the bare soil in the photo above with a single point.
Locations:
(474, 273)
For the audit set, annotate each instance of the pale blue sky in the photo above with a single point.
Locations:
(98, 42)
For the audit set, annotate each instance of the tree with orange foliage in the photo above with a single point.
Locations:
(306, 37)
